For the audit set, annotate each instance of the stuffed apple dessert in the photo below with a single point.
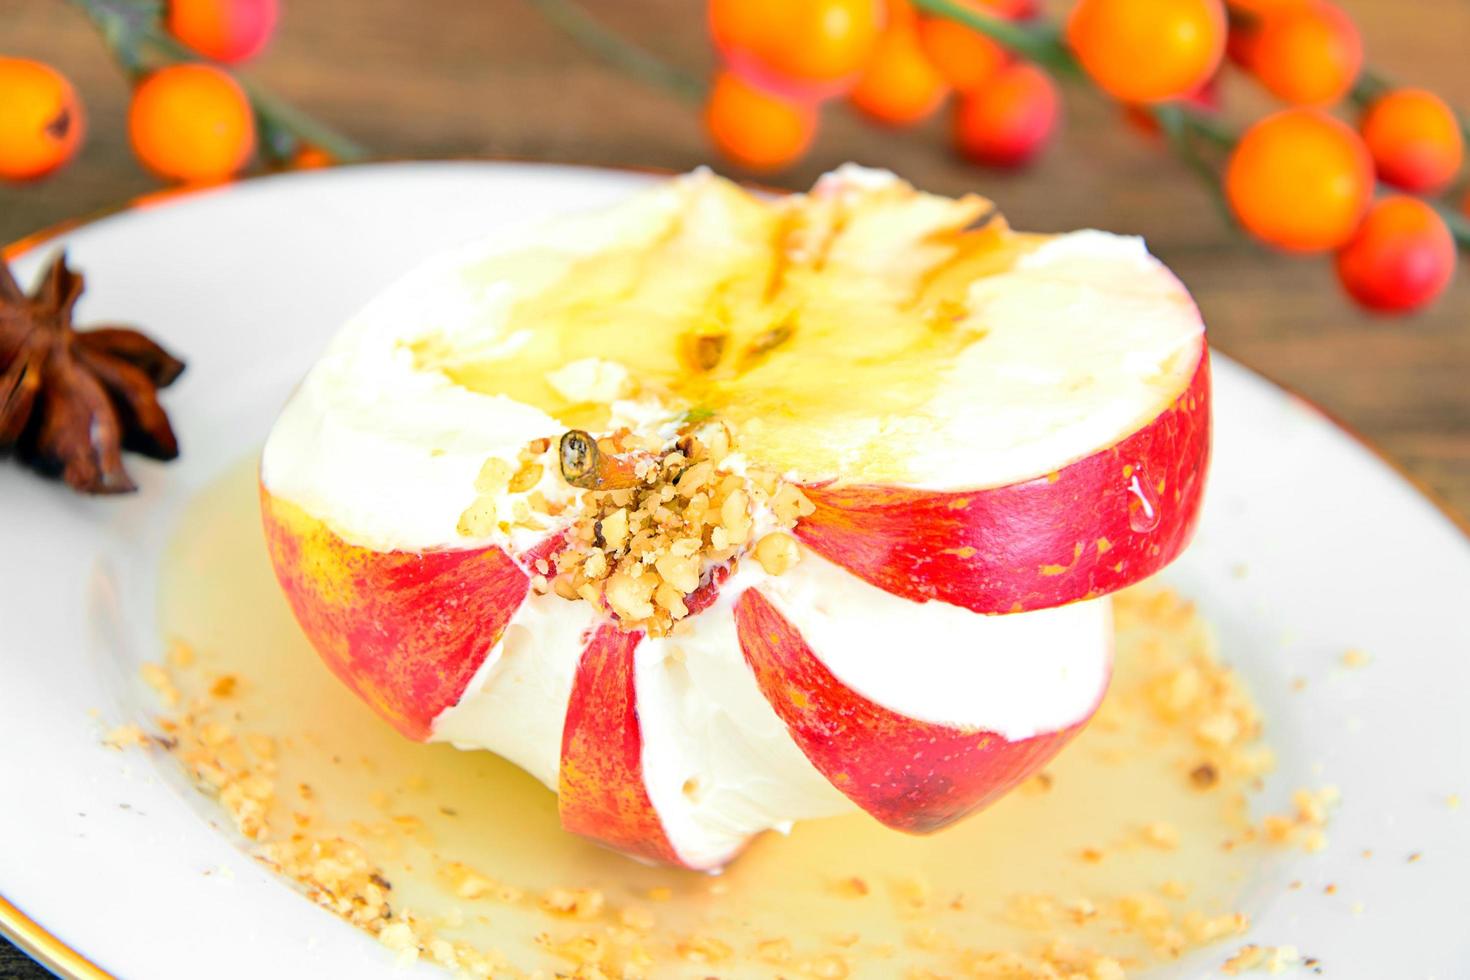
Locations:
(717, 512)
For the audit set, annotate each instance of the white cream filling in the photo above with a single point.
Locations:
(719, 765)
(515, 704)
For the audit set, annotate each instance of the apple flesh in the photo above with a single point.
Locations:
(1090, 528)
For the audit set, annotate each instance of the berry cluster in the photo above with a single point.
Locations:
(189, 121)
(1350, 166)
(1300, 180)
(896, 64)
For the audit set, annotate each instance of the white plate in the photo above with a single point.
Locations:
(247, 282)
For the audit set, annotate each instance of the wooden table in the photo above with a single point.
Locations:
(470, 78)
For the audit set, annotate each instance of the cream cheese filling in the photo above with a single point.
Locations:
(719, 765)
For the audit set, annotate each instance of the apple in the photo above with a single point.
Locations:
(717, 513)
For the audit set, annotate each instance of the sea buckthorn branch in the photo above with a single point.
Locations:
(1040, 41)
(1183, 130)
(1376, 208)
(134, 34)
(1180, 123)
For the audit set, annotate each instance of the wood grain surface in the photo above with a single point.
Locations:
(476, 78)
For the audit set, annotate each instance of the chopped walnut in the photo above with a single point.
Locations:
(704, 949)
(1272, 959)
(506, 496)
(658, 522)
(156, 677)
(579, 903)
(125, 737)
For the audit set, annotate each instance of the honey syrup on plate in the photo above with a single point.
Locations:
(1131, 850)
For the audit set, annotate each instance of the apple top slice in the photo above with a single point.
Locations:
(861, 335)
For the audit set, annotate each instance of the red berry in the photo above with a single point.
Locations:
(1008, 120)
(1415, 140)
(228, 31)
(1401, 259)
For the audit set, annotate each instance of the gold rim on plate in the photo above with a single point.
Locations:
(55, 955)
(28, 934)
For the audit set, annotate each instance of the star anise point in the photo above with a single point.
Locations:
(72, 400)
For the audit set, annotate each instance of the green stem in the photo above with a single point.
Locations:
(1181, 126)
(133, 33)
(1459, 225)
(1041, 43)
(617, 50)
(1207, 126)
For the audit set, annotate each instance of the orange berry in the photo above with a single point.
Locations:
(1007, 121)
(1147, 50)
(739, 23)
(964, 58)
(1240, 44)
(1245, 24)
(900, 85)
(1415, 140)
(755, 128)
(41, 119)
(1300, 180)
(815, 46)
(308, 157)
(191, 123)
(1401, 259)
(1307, 54)
(224, 30)
(1260, 8)
(899, 15)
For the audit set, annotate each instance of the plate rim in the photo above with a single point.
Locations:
(30, 935)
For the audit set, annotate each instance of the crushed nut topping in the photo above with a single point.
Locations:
(499, 483)
(660, 524)
(652, 525)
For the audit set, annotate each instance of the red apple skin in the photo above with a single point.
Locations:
(911, 775)
(602, 794)
(405, 631)
(1077, 533)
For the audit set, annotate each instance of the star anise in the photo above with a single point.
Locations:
(72, 400)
